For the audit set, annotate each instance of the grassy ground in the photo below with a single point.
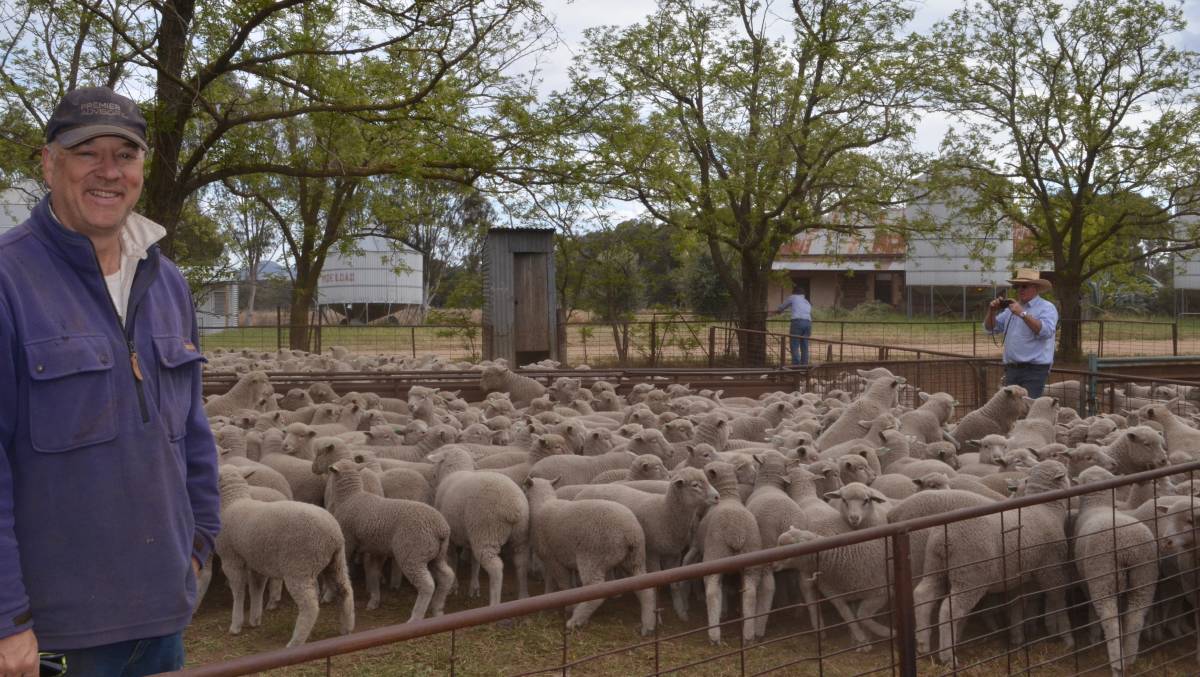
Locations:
(536, 643)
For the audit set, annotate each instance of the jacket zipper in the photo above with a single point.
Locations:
(133, 356)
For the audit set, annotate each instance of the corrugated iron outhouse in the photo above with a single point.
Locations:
(519, 300)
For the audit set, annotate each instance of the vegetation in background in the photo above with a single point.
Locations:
(1078, 123)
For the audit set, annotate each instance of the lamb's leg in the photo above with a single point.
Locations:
(494, 566)
(396, 577)
(274, 594)
(860, 637)
(236, 575)
(373, 567)
(258, 584)
(867, 610)
(750, 582)
(418, 574)
(766, 595)
(812, 601)
(1143, 578)
(1054, 581)
(961, 604)
(645, 599)
(304, 594)
(336, 576)
(927, 592)
(712, 596)
(473, 586)
(443, 576)
(1105, 603)
(520, 556)
(204, 581)
(590, 573)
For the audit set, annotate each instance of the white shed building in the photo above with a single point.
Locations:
(1187, 274)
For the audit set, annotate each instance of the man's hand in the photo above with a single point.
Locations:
(19, 655)
(1016, 309)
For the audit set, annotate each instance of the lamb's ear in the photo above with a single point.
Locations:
(678, 482)
(528, 483)
(359, 458)
(310, 433)
(1164, 509)
(919, 482)
(249, 473)
(1131, 435)
(923, 396)
(757, 459)
(334, 469)
(721, 423)
(691, 450)
(830, 495)
(876, 496)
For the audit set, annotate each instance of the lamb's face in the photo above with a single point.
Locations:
(932, 482)
(650, 467)
(856, 469)
(1146, 447)
(857, 502)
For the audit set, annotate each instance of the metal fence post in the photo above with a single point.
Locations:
(278, 327)
(1100, 341)
(974, 335)
(1093, 367)
(842, 346)
(1175, 338)
(412, 335)
(653, 342)
(712, 346)
(902, 594)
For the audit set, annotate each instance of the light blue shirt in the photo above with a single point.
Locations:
(801, 308)
(1020, 343)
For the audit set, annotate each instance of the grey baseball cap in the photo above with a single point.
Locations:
(88, 112)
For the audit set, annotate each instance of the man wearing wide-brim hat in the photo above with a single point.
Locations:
(1028, 324)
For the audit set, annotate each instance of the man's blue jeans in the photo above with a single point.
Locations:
(127, 659)
(1032, 377)
(800, 331)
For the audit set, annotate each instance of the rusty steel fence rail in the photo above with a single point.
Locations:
(911, 625)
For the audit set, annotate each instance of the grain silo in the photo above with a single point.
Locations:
(377, 278)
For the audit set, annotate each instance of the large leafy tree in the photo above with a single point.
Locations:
(1078, 122)
(215, 73)
(721, 118)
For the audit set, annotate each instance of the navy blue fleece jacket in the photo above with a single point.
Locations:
(108, 473)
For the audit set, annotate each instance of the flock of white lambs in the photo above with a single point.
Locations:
(583, 481)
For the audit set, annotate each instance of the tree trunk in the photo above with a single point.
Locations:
(1070, 325)
(752, 316)
(251, 292)
(163, 196)
(299, 320)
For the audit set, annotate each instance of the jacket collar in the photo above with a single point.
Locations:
(138, 238)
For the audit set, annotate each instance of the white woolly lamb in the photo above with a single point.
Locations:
(565, 539)
(485, 511)
(414, 534)
(292, 541)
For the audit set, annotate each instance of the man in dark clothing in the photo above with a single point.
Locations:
(108, 470)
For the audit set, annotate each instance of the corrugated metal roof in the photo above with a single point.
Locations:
(864, 244)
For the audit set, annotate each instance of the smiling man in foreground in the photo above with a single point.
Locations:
(108, 470)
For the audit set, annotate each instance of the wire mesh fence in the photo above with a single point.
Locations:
(681, 342)
(973, 587)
